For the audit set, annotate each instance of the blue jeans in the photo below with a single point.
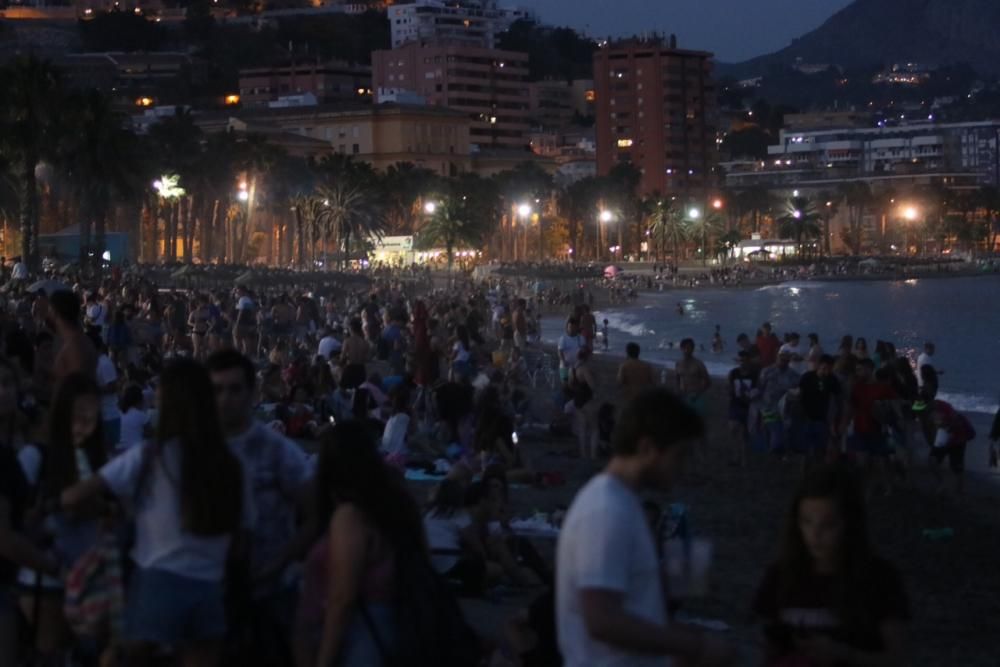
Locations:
(166, 608)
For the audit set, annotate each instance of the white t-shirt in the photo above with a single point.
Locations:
(97, 314)
(923, 359)
(461, 354)
(107, 374)
(328, 345)
(394, 436)
(797, 363)
(133, 425)
(569, 347)
(160, 541)
(605, 543)
(20, 271)
(443, 536)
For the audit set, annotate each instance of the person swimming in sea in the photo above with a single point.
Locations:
(680, 309)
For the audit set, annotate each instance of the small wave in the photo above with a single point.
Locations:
(793, 284)
(625, 323)
(970, 402)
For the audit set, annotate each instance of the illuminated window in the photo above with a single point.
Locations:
(624, 143)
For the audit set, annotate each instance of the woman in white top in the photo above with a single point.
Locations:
(135, 418)
(190, 498)
(457, 552)
(461, 369)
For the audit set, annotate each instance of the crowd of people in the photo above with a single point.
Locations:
(249, 451)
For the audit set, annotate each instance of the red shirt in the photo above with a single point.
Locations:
(768, 347)
(863, 400)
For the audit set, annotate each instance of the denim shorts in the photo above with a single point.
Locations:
(166, 608)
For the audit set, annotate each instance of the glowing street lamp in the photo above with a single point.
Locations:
(694, 213)
(911, 213)
(167, 187)
(717, 204)
(524, 210)
(430, 208)
(797, 214)
(606, 216)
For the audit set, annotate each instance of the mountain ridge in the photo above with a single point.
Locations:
(872, 32)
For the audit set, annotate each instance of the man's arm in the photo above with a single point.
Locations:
(607, 621)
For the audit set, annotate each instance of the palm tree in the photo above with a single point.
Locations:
(406, 185)
(453, 224)
(829, 204)
(102, 161)
(177, 143)
(577, 204)
(858, 197)
(800, 221)
(666, 225)
(29, 131)
(726, 242)
(758, 201)
(702, 225)
(351, 209)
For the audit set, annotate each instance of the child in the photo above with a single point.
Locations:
(604, 334)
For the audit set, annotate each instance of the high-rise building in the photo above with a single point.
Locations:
(488, 85)
(655, 109)
(467, 22)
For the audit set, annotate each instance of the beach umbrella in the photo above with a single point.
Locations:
(50, 287)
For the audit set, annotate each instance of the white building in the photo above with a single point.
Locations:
(905, 149)
(466, 22)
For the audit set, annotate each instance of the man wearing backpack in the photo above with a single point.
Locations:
(952, 433)
(611, 606)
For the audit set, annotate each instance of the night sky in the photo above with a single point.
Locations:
(734, 29)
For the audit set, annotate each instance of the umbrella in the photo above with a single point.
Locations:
(50, 287)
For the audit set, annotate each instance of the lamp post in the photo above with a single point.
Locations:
(910, 214)
(524, 212)
(603, 217)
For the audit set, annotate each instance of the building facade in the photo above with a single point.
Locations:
(870, 152)
(382, 135)
(465, 22)
(329, 82)
(555, 103)
(655, 109)
(487, 85)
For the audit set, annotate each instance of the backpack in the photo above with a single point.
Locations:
(431, 628)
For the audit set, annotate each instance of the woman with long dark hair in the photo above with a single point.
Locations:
(346, 616)
(75, 452)
(829, 600)
(190, 498)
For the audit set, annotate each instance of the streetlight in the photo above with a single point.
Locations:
(694, 213)
(797, 214)
(911, 213)
(717, 204)
(430, 208)
(606, 216)
(243, 194)
(524, 210)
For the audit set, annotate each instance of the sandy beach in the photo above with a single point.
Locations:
(953, 587)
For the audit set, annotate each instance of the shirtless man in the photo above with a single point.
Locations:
(692, 377)
(588, 326)
(76, 352)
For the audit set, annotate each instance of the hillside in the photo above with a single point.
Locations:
(872, 32)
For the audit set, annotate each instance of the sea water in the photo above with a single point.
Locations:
(960, 315)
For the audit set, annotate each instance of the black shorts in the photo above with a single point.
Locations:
(954, 454)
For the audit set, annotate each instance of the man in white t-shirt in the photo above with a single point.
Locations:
(611, 606)
(926, 358)
(281, 480)
(569, 348)
(20, 271)
(328, 344)
(797, 355)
